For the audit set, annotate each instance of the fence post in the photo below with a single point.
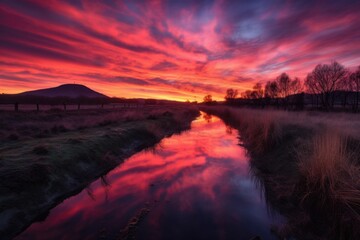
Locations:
(16, 106)
(37, 107)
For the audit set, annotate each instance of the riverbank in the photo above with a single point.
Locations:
(193, 185)
(308, 165)
(46, 157)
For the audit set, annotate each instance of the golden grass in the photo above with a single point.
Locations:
(260, 129)
(326, 150)
(331, 170)
(327, 159)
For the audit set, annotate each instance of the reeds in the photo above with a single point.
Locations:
(325, 148)
(324, 160)
(259, 130)
(331, 171)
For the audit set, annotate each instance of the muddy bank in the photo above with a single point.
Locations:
(36, 174)
(324, 205)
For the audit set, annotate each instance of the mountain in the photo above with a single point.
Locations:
(65, 90)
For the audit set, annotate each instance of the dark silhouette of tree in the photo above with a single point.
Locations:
(208, 99)
(281, 88)
(271, 89)
(354, 83)
(284, 85)
(231, 94)
(324, 80)
(296, 86)
(258, 91)
(346, 89)
(247, 94)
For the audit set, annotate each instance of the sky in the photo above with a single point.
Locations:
(177, 50)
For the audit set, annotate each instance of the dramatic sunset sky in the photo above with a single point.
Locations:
(171, 49)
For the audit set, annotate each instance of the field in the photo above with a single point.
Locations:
(308, 164)
(47, 156)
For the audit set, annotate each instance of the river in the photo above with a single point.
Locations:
(195, 185)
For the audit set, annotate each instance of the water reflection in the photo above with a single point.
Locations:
(207, 117)
(196, 186)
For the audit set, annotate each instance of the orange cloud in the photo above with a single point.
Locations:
(178, 50)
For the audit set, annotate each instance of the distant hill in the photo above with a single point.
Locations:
(72, 94)
(66, 91)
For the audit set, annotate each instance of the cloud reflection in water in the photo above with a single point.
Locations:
(197, 185)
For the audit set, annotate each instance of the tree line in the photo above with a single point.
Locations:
(325, 86)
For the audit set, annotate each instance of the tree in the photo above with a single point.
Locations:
(283, 87)
(295, 86)
(230, 95)
(271, 89)
(258, 91)
(354, 82)
(346, 88)
(324, 80)
(208, 99)
(284, 83)
(246, 94)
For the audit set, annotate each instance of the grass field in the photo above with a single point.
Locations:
(47, 156)
(308, 164)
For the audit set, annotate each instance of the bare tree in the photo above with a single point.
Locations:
(354, 82)
(258, 91)
(247, 94)
(271, 89)
(230, 95)
(324, 80)
(295, 86)
(286, 87)
(346, 88)
(284, 84)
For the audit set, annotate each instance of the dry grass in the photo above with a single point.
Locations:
(24, 125)
(260, 133)
(38, 172)
(325, 148)
(260, 130)
(331, 170)
(326, 161)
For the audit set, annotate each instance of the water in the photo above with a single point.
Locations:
(195, 185)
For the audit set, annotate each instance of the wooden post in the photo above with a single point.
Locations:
(37, 107)
(16, 106)
(64, 106)
(78, 106)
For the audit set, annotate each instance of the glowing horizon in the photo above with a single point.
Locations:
(176, 50)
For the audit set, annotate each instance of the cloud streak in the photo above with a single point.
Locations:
(171, 49)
